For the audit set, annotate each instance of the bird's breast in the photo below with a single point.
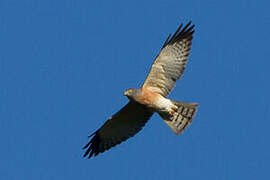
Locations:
(152, 100)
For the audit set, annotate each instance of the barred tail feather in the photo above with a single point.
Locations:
(182, 117)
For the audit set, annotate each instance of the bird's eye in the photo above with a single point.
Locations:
(130, 91)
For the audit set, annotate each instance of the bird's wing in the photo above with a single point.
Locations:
(170, 63)
(121, 126)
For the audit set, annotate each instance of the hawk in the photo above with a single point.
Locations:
(168, 67)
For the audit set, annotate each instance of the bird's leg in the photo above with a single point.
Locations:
(172, 111)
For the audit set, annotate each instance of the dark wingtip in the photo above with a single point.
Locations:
(92, 147)
(181, 33)
(167, 40)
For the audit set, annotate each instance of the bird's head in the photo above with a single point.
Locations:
(132, 93)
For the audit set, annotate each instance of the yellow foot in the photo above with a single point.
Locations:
(171, 112)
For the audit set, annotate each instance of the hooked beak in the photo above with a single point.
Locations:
(125, 93)
(128, 92)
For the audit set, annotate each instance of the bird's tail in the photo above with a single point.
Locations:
(181, 118)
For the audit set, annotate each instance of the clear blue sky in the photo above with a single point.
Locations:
(65, 64)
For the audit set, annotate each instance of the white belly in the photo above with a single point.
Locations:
(164, 104)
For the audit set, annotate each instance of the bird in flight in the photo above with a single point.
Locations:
(168, 67)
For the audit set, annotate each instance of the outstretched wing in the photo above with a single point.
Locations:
(121, 126)
(171, 61)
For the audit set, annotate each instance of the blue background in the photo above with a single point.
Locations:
(65, 64)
